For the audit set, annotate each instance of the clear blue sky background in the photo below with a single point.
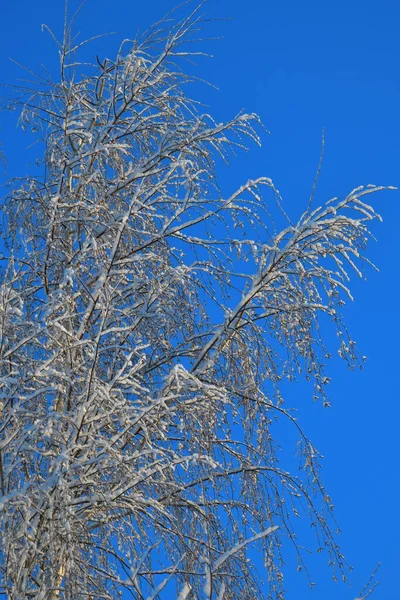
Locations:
(302, 66)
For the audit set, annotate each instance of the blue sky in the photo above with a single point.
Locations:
(302, 66)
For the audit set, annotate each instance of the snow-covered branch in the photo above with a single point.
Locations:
(147, 321)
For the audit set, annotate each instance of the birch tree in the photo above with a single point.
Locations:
(147, 324)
